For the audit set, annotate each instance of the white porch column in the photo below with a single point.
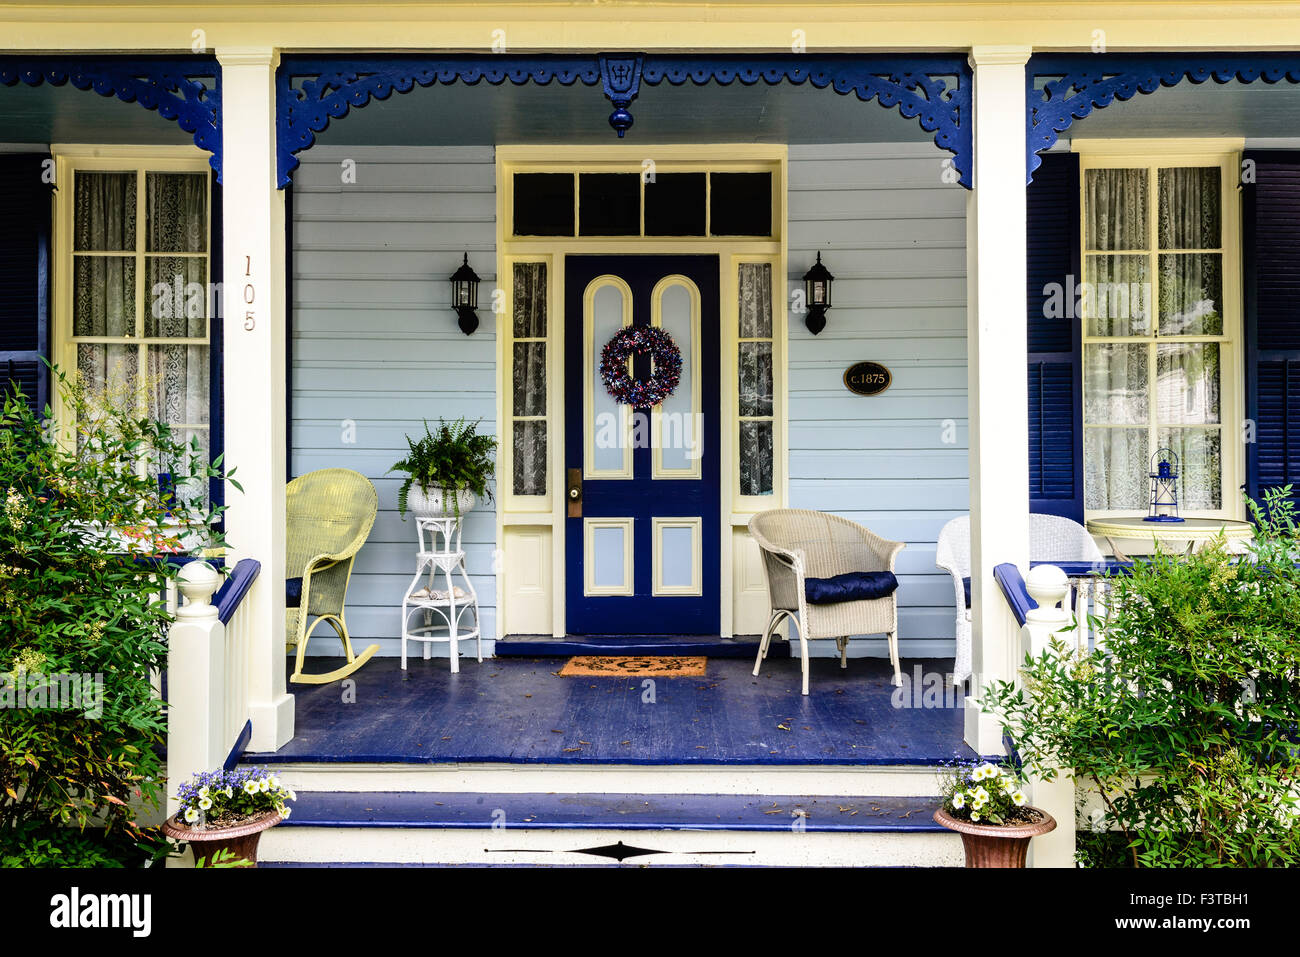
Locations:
(253, 339)
(996, 368)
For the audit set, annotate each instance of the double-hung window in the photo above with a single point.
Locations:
(1161, 317)
(134, 299)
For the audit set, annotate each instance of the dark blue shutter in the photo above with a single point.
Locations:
(216, 351)
(25, 275)
(1055, 370)
(1271, 267)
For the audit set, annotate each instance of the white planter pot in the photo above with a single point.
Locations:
(435, 504)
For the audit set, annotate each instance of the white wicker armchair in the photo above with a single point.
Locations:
(797, 545)
(1052, 538)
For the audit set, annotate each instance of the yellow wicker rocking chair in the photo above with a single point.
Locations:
(330, 513)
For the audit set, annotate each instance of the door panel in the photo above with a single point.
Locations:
(642, 540)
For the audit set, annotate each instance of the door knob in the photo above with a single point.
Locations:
(574, 493)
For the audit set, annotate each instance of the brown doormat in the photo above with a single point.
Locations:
(633, 666)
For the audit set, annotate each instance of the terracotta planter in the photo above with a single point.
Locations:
(996, 845)
(207, 841)
(435, 504)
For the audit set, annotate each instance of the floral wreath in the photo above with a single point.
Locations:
(641, 340)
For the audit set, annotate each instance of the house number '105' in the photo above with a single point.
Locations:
(249, 295)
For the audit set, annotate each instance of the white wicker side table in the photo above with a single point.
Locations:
(449, 611)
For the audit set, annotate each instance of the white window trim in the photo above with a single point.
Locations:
(70, 158)
(1153, 154)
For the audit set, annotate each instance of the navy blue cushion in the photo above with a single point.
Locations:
(965, 583)
(293, 592)
(851, 586)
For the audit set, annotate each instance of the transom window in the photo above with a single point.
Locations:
(643, 203)
(1158, 321)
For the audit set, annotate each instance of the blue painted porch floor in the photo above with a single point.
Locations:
(518, 710)
(632, 812)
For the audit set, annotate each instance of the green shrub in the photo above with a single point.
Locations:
(1186, 723)
(82, 522)
(37, 844)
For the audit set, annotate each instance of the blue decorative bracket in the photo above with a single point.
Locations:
(621, 77)
(185, 90)
(935, 91)
(1062, 88)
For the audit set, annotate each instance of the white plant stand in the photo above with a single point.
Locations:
(440, 562)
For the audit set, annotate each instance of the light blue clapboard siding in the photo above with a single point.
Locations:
(376, 348)
(375, 343)
(894, 235)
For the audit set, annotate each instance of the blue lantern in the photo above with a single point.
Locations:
(1164, 487)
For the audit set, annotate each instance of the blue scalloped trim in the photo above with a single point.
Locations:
(1082, 82)
(311, 91)
(184, 90)
(935, 91)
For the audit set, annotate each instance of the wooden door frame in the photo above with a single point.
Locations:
(546, 513)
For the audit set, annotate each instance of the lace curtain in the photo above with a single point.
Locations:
(1119, 407)
(175, 295)
(754, 362)
(529, 377)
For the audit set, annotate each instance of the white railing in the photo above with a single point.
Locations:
(1051, 589)
(207, 669)
(1088, 604)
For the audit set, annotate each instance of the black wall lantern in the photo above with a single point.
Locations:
(464, 296)
(817, 292)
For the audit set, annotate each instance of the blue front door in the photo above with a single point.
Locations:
(642, 532)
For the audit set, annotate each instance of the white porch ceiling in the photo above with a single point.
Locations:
(1252, 110)
(483, 114)
(63, 114)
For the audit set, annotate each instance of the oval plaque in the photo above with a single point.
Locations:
(867, 378)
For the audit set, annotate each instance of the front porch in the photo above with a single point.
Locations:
(509, 763)
(349, 340)
(521, 711)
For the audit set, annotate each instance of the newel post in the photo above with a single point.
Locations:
(196, 667)
(1049, 586)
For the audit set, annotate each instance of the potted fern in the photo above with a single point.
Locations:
(446, 471)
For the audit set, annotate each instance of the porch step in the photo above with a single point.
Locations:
(380, 828)
(532, 646)
(607, 781)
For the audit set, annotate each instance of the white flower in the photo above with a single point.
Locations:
(191, 815)
(981, 796)
(229, 792)
(1018, 799)
(974, 815)
(292, 796)
(265, 784)
(250, 787)
(205, 803)
(203, 791)
(959, 800)
(284, 812)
